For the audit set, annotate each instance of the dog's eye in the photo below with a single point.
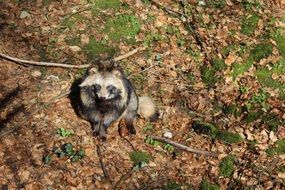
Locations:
(111, 88)
(96, 87)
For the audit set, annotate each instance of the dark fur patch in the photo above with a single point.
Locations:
(154, 117)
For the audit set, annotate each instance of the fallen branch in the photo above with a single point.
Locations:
(124, 56)
(106, 175)
(127, 140)
(183, 16)
(167, 9)
(50, 64)
(183, 147)
(125, 176)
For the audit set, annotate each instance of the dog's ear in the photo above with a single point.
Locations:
(93, 70)
(117, 73)
(114, 64)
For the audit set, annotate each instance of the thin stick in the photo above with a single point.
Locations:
(167, 9)
(106, 175)
(146, 69)
(127, 140)
(124, 56)
(125, 176)
(50, 64)
(183, 147)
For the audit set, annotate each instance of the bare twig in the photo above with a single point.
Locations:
(142, 71)
(106, 175)
(190, 24)
(167, 9)
(127, 140)
(183, 147)
(49, 64)
(124, 56)
(184, 18)
(126, 175)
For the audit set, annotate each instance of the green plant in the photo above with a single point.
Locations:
(205, 185)
(168, 147)
(226, 166)
(122, 27)
(253, 115)
(243, 89)
(172, 185)
(150, 141)
(67, 150)
(278, 149)
(259, 98)
(148, 127)
(65, 132)
(139, 158)
(47, 159)
(214, 132)
(249, 24)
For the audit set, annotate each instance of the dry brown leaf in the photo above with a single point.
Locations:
(230, 59)
(74, 48)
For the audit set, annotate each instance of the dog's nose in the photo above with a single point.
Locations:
(102, 98)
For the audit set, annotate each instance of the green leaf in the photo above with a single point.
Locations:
(78, 156)
(139, 157)
(65, 132)
(47, 159)
(68, 149)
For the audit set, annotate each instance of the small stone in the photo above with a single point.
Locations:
(84, 38)
(24, 14)
(272, 136)
(36, 74)
(74, 48)
(201, 3)
(24, 176)
(168, 135)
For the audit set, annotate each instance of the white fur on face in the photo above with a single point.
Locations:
(104, 81)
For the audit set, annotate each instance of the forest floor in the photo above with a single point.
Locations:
(215, 68)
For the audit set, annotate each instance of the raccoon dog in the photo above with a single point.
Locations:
(107, 96)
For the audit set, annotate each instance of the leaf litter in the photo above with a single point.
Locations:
(233, 84)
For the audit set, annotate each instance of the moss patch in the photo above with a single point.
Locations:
(95, 49)
(209, 73)
(122, 27)
(139, 157)
(226, 166)
(103, 4)
(205, 185)
(280, 41)
(272, 121)
(231, 109)
(228, 137)
(71, 20)
(258, 52)
(252, 116)
(215, 133)
(208, 76)
(264, 78)
(239, 69)
(249, 24)
(278, 149)
(281, 169)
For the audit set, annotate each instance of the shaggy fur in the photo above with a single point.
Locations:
(107, 96)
